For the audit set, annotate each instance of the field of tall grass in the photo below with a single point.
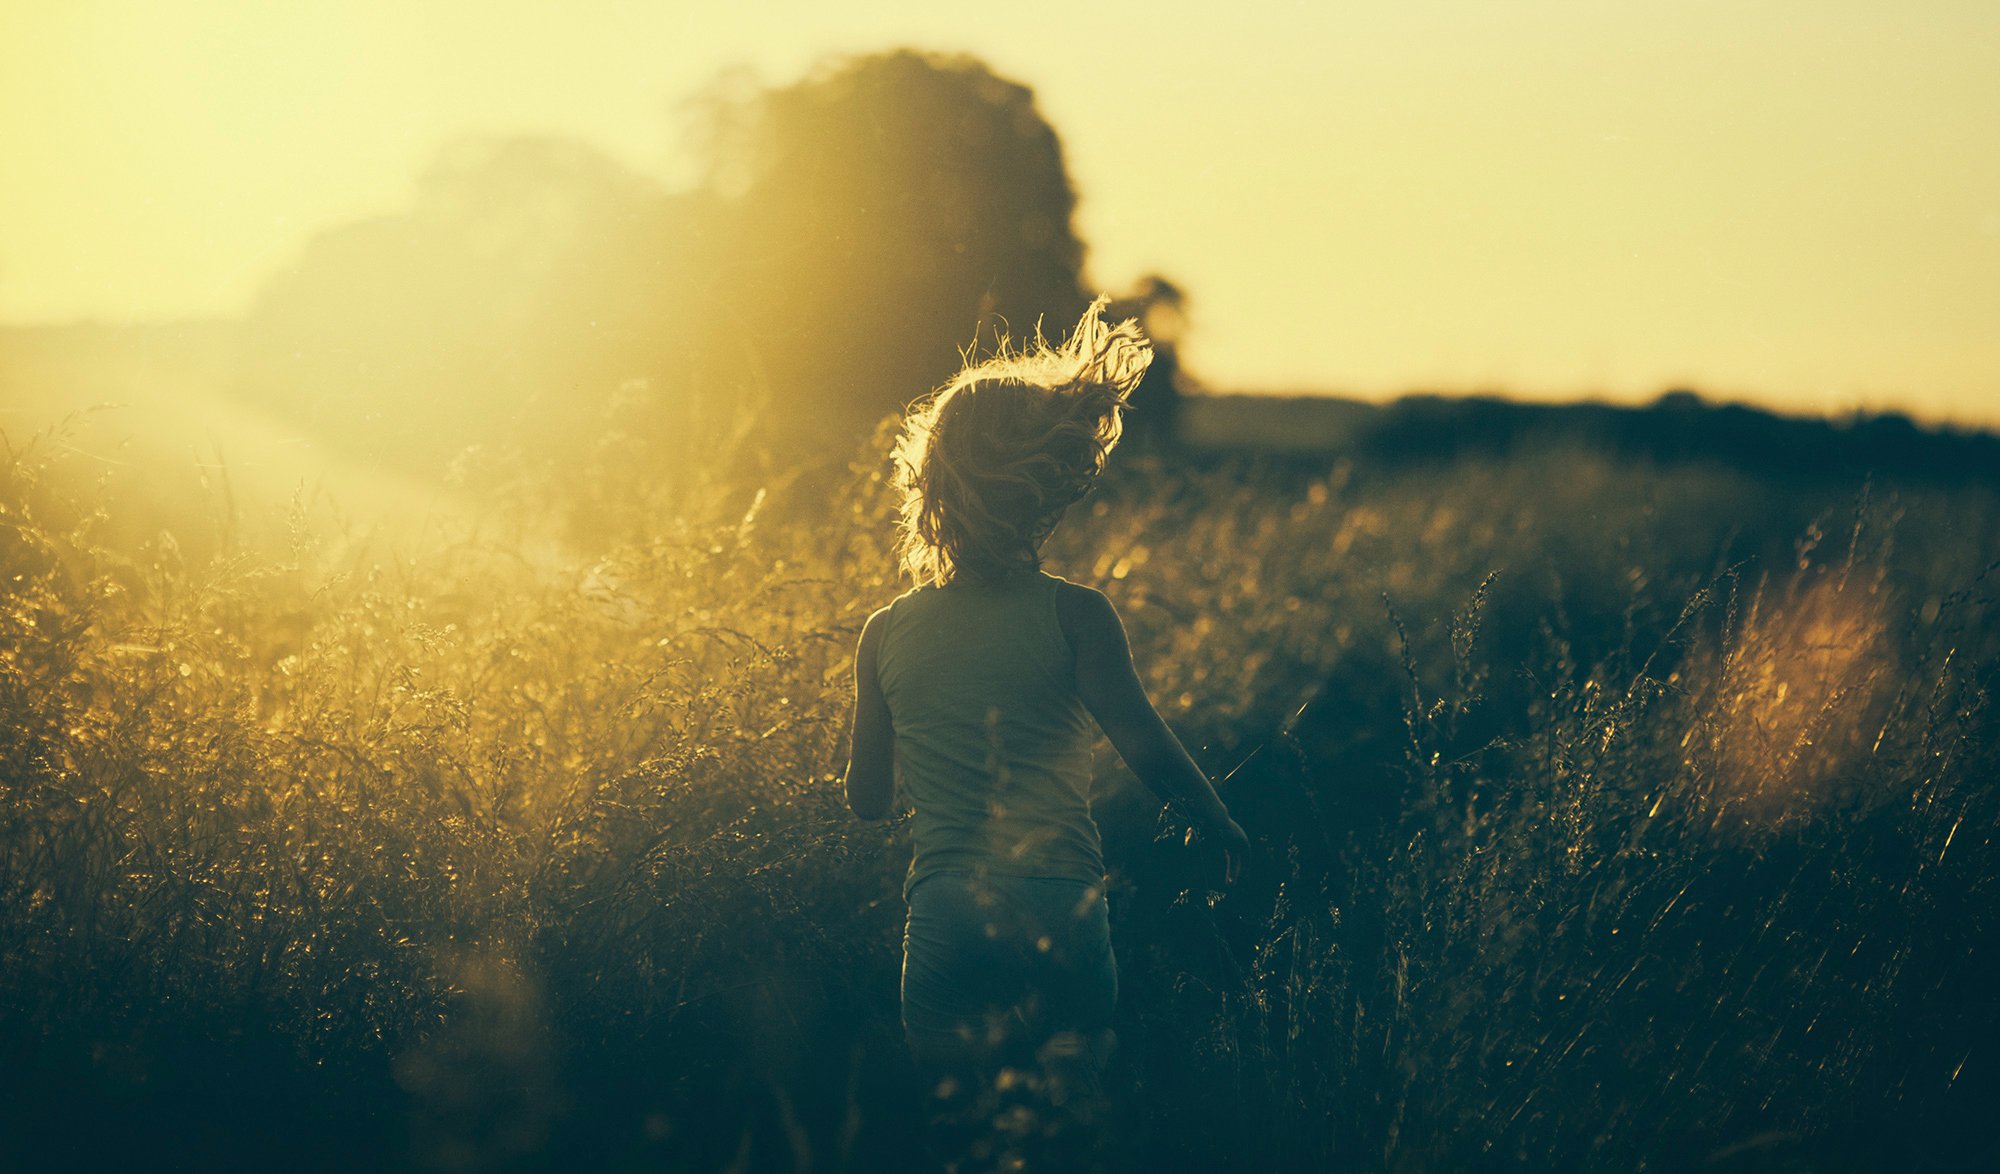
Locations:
(1608, 817)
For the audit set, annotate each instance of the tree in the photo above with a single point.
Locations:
(1160, 306)
(886, 213)
(853, 232)
(516, 296)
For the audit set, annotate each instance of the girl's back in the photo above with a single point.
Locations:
(994, 740)
(984, 684)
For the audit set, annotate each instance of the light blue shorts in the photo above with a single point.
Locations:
(981, 950)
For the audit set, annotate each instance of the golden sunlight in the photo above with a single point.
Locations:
(1787, 202)
(1798, 696)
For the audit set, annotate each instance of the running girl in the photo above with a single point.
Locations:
(981, 685)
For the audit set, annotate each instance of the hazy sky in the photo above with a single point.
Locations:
(1797, 202)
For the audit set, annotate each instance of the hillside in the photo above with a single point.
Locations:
(176, 397)
(1609, 813)
(1679, 427)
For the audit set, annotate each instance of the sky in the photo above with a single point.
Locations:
(1792, 203)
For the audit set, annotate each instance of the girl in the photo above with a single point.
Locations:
(981, 684)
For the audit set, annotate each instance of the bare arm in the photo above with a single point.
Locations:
(871, 753)
(1112, 691)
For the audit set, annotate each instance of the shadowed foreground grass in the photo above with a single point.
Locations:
(1609, 817)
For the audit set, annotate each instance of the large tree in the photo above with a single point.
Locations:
(888, 212)
(513, 300)
(851, 234)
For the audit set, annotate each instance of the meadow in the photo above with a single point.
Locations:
(1610, 815)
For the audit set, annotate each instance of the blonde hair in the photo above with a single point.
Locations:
(987, 464)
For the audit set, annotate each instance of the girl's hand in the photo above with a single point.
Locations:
(1235, 849)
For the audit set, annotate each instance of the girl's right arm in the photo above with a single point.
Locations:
(1111, 690)
(871, 740)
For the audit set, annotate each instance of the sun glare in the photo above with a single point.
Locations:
(1777, 201)
(1798, 696)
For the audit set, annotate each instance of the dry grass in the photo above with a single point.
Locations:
(1605, 823)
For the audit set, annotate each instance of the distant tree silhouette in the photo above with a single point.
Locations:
(851, 234)
(1161, 308)
(1678, 427)
(523, 282)
(886, 212)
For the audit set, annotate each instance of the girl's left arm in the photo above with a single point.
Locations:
(871, 754)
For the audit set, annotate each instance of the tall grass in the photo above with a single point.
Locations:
(1608, 817)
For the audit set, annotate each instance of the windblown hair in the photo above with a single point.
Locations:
(987, 464)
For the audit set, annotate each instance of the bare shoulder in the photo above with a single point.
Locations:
(1079, 599)
(1088, 619)
(873, 627)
